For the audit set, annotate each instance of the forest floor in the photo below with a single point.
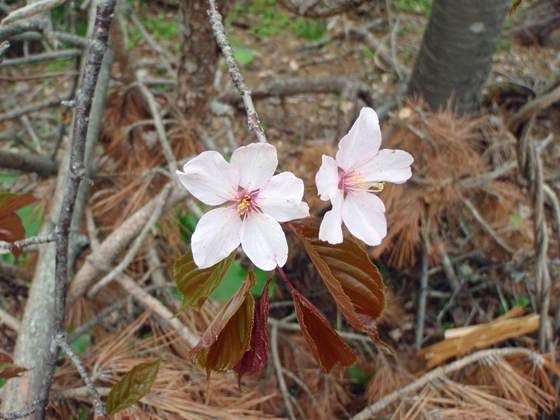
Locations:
(471, 240)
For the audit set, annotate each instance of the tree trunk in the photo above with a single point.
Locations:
(456, 53)
(199, 57)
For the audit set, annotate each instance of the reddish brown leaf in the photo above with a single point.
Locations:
(256, 357)
(10, 202)
(351, 277)
(195, 284)
(326, 345)
(229, 335)
(9, 370)
(12, 223)
(6, 235)
(514, 8)
(9, 220)
(5, 358)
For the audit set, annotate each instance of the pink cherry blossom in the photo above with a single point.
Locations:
(256, 201)
(351, 180)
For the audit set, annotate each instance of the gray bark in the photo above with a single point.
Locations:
(456, 53)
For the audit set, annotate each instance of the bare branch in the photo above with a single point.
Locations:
(37, 58)
(238, 80)
(131, 254)
(486, 227)
(28, 109)
(99, 407)
(27, 162)
(9, 321)
(32, 9)
(28, 241)
(488, 355)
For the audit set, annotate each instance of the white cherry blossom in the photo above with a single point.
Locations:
(257, 200)
(351, 180)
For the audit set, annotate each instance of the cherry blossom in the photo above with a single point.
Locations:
(257, 200)
(351, 180)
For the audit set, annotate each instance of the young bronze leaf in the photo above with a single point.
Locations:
(9, 370)
(133, 386)
(10, 223)
(326, 345)
(195, 284)
(256, 357)
(5, 358)
(229, 335)
(351, 277)
(10, 202)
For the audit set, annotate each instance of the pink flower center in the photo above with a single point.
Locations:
(245, 203)
(350, 181)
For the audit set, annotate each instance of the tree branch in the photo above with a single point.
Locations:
(27, 162)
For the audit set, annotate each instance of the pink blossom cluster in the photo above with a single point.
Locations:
(257, 201)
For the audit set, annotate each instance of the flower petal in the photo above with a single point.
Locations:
(264, 242)
(256, 163)
(363, 215)
(281, 197)
(331, 226)
(362, 141)
(327, 178)
(217, 234)
(389, 165)
(210, 178)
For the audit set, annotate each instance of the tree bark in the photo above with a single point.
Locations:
(456, 52)
(199, 57)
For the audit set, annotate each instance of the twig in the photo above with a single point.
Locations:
(131, 254)
(396, 64)
(238, 80)
(27, 162)
(9, 321)
(28, 241)
(150, 302)
(279, 373)
(160, 129)
(165, 55)
(31, 10)
(302, 385)
(74, 393)
(98, 405)
(21, 413)
(440, 372)
(448, 269)
(28, 109)
(37, 58)
(553, 199)
(101, 259)
(39, 76)
(529, 109)
(141, 123)
(422, 297)
(93, 321)
(486, 227)
(98, 46)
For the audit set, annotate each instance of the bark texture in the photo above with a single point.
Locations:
(456, 52)
(199, 57)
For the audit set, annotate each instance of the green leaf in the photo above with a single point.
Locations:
(353, 280)
(326, 345)
(195, 284)
(228, 336)
(133, 386)
(234, 279)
